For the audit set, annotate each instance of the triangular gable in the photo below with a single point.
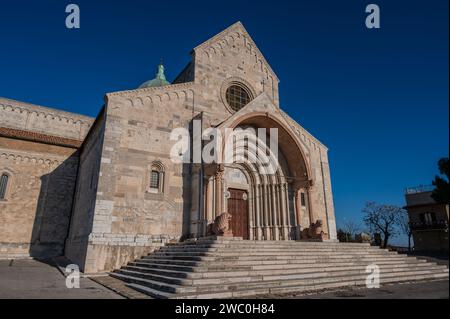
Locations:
(236, 28)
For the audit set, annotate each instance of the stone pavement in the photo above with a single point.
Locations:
(28, 278)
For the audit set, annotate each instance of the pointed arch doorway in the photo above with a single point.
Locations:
(238, 208)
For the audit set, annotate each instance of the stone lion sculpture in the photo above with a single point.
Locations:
(221, 225)
(314, 231)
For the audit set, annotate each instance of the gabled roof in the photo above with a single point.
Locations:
(238, 26)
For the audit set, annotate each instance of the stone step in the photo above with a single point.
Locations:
(294, 264)
(272, 261)
(231, 278)
(289, 243)
(249, 289)
(225, 268)
(270, 247)
(157, 294)
(318, 258)
(168, 266)
(160, 286)
(271, 251)
(205, 267)
(267, 272)
(362, 283)
(309, 281)
(155, 277)
(272, 254)
(273, 248)
(304, 288)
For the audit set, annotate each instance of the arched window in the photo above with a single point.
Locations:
(156, 180)
(3, 185)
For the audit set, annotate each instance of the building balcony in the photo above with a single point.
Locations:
(438, 225)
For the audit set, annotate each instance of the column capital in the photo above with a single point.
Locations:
(303, 184)
(220, 171)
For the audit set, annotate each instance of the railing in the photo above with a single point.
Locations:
(437, 225)
(419, 189)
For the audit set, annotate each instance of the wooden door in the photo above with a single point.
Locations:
(238, 208)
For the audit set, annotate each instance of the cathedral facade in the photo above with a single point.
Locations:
(107, 190)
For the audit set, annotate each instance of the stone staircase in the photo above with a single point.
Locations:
(232, 268)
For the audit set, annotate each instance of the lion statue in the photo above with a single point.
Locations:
(314, 231)
(221, 225)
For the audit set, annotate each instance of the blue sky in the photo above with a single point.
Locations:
(377, 98)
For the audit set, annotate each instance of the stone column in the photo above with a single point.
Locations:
(209, 200)
(265, 198)
(275, 229)
(251, 210)
(282, 211)
(288, 209)
(258, 212)
(269, 211)
(310, 205)
(298, 210)
(219, 190)
(285, 205)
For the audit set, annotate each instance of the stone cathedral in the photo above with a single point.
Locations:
(105, 191)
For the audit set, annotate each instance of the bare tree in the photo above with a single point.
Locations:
(405, 226)
(351, 228)
(382, 219)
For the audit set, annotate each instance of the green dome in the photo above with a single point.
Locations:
(159, 80)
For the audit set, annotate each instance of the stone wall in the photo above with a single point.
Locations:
(34, 217)
(128, 218)
(86, 193)
(29, 117)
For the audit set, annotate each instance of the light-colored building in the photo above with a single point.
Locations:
(428, 220)
(104, 191)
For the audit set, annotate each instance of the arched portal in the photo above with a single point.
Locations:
(276, 201)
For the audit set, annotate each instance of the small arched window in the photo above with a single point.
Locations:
(4, 179)
(156, 180)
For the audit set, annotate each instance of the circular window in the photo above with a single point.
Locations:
(237, 97)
